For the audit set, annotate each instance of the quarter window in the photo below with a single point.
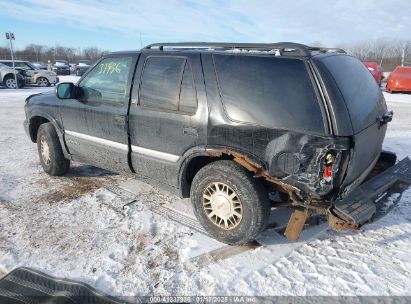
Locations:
(167, 84)
(107, 82)
(269, 91)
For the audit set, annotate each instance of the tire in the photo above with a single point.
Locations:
(10, 82)
(43, 82)
(50, 152)
(228, 179)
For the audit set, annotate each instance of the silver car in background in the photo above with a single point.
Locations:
(33, 74)
(8, 77)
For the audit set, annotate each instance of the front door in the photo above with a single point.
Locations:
(168, 114)
(95, 123)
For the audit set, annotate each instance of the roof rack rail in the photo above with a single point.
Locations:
(283, 47)
(326, 50)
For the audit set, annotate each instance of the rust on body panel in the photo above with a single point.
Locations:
(254, 167)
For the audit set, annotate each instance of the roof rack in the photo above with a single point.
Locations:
(326, 50)
(290, 48)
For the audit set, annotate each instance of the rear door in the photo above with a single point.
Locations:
(356, 89)
(95, 124)
(168, 114)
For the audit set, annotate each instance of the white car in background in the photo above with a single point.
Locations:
(34, 75)
(8, 77)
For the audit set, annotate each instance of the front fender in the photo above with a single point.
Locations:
(32, 128)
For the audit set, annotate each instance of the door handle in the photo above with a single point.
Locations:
(190, 131)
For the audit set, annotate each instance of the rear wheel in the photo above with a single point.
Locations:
(10, 82)
(230, 204)
(43, 82)
(50, 152)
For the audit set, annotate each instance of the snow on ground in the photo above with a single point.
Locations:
(74, 227)
(397, 97)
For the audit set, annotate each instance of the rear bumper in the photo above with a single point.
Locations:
(372, 199)
(398, 87)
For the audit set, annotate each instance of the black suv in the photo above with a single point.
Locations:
(239, 128)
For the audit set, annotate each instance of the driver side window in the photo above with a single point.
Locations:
(107, 82)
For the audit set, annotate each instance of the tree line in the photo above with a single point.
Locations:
(42, 53)
(389, 53)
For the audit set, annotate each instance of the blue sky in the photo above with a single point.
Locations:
(116, 25)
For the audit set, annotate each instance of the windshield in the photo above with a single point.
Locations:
(32, 66)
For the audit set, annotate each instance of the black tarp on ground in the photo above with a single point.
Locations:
(25, 285)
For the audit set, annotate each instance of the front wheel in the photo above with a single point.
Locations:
(43, 82)
(50, 152)
(231, 205)
(10, 82)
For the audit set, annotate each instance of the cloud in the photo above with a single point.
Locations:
(330, 22)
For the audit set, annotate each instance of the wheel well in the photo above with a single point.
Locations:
(7, 76)
(191, 169)
(35, 123)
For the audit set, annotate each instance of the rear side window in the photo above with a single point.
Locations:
(167, 84)
(269, 91)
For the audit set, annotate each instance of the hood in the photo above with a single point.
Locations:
(39, 98)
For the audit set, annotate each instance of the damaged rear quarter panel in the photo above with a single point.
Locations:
(294, 158)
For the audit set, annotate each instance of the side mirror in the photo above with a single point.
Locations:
(66, 90)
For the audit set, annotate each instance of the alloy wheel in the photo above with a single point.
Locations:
(11, 83)
(45, 150)
(222, 205)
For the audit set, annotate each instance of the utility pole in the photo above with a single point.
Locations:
(10, 38)
(141, 42)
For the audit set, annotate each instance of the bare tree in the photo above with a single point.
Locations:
(385, 51)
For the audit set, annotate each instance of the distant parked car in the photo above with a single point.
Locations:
(375, 70)
(399, 80)
(8, 79)
(61, 67)
(32, 74)
(82, 67)
(40, 65)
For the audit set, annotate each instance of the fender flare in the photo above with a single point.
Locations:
(57, 127)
